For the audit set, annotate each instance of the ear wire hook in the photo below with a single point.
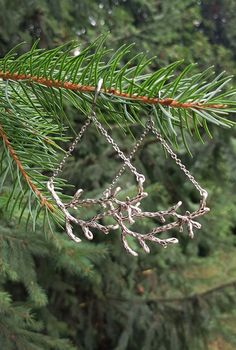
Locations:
(96, 94)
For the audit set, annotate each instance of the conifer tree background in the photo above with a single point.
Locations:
(59, 295)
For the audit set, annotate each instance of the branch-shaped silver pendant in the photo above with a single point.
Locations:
(126, 212)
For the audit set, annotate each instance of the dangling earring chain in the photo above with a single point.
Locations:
(69, 219)
(127, 210)
(174, 156)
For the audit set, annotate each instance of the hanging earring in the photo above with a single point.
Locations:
(109, 199)
(128, 210)
(64, 207)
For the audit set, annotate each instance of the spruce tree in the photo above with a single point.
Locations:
(39, 90)
(174, 299)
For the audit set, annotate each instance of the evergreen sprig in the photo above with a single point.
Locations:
(124, 84)
(36, 86)
(22, 257)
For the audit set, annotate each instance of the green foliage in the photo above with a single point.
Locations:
(37, 115)
(92, 64)
(93, 294)
(20, 326)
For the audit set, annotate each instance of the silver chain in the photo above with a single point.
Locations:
(79, 135)
(174, 156)
(121, 154)
(130, 157)
(127, 160)
(71, 148)
(93, 118)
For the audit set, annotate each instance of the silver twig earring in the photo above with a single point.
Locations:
(126, 212)
(109, 198)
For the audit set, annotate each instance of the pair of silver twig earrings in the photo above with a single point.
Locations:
(125, 212)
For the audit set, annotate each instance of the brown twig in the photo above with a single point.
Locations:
(43, 200)
(183, 299)
(111, 91)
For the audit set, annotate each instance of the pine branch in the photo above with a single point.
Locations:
(167, 102)
(35, 87)
(43, 200)
(184, 299)
(128, 88)
(30, 151)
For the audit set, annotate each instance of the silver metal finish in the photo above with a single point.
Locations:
(127, 211)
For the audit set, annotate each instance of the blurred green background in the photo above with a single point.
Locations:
(57, 295)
